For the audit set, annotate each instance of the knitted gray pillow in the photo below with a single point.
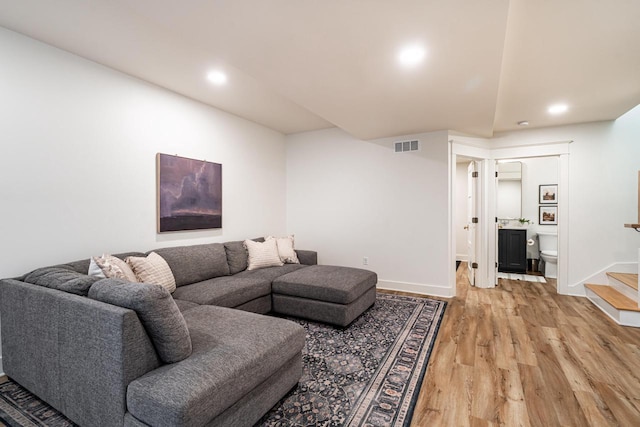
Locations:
(157, 311)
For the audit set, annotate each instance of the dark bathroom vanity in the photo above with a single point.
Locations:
(512, 250)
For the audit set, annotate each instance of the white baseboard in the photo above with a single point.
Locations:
(416, 288)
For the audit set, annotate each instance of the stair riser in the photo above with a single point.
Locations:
(622, 288)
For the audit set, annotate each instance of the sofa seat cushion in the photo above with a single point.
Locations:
(229, 291)
(270, 273)
(233, 353)
(185, 305)
(192, 264)
(341, 285)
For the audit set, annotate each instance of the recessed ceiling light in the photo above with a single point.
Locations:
(217, 77)
(558, 109)
(411, 55)
(523, 123)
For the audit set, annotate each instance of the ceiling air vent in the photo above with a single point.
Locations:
(402, 146)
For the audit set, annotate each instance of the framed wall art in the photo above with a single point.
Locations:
(548, 215)
(189, 193)
(549, 194)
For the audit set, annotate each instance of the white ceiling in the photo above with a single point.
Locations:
(303, 65)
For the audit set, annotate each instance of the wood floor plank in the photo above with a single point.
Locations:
(525, 354)
(503, 343)
(466, 351)
(623, 411)
(512, 410)
(538, 400)
(578, 380)
(439, 375)
(485, 385)
(457, 411)
(595, 411)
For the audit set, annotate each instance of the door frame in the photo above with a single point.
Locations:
(472, 149)
(480, 149)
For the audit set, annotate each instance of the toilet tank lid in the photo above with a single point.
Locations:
(550, 253)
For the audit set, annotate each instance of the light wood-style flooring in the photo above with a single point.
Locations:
(522, 355)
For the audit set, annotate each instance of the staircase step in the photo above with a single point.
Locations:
(628, 279)
(616, 299)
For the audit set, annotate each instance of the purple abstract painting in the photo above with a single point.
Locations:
(189, 194)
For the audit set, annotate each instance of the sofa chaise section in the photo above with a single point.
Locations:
(75, 353)
(234, 354)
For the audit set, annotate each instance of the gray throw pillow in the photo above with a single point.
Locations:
(157, 311)
(62, 279)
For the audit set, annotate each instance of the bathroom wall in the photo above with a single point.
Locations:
(535, 172)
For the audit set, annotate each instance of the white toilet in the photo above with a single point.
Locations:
(548, 244)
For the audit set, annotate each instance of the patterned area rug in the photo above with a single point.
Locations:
(19, 408)
(368, 374)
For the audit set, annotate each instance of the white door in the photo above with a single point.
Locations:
(472, 219)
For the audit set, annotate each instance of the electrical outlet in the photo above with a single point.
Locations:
(365, 261)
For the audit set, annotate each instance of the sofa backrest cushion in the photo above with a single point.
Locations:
(82, 266)
(61, 278)
(157, 311)
(192, 264)
(236, 256)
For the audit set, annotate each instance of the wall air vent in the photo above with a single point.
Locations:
(402, 146)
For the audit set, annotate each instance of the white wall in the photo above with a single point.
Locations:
(77, 163)
(603, 171)
(351, 199)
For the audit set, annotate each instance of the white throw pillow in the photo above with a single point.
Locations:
(154, 270)
(262, 255)
(286, 250)
(108, 266)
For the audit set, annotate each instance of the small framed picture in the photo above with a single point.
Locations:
(548, 215)
(549, 194)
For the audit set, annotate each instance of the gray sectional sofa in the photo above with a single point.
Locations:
(111, 353)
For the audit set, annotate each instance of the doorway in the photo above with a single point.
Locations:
(520, 212)
(471, 148)
(469, 220)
